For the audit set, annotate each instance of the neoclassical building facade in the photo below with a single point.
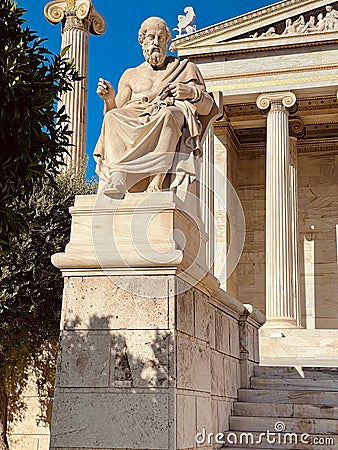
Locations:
(277, 144)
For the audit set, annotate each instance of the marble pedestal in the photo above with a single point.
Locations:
(152, 351)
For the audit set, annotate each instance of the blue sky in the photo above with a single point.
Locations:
(112, 53)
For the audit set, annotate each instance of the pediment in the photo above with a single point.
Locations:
(283, 23)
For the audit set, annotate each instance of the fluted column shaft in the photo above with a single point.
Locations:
(75, 101)
(79, 19)
(296, 129)
(280, 306)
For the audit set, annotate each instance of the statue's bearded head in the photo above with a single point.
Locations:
(154, 36)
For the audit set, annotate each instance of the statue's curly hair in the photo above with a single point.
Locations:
(143, 29)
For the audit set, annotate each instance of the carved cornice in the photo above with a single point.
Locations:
(287, 99)
(320, 146)
(75, 14)
(224, 77)
(249, 110)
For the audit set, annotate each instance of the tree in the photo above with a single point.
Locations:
(31, 294)
(34, 201)
(34, 136)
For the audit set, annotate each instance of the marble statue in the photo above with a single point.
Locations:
(290, 27)
(331, 18)
(153, 125)
(270, 32)
(185, 22)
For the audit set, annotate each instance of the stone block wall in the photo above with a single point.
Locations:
(251, 268)
(151, 372)
(27, 432)
(30, 412)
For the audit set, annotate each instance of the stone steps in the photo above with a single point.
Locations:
(294, 383)
(285, 410)
(288, 396)
(293, 372)
(300, 347)
(291, 425)
(299, 408)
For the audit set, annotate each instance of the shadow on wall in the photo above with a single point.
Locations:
(112, 381)
(30, 387)
(97, 357)
(102, 357)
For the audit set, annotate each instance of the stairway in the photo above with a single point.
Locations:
(300, 407)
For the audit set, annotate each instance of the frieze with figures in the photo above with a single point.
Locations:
(319, 23)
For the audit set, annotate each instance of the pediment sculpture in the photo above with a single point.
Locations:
(322, 22)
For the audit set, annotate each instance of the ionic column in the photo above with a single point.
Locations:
(280, 306)
(296, 129)
(79, 19)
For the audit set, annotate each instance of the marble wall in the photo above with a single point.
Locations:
(318, 239)
(251, 268)
(226, 169)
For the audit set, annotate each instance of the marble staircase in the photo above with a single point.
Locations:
(299, 408)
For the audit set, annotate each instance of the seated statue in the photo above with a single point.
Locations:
(153, 125)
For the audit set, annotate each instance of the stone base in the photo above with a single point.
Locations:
(150, 355)
(299, 347)
(147, 372)
(143, 231)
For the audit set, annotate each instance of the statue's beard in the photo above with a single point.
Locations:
(154, 56)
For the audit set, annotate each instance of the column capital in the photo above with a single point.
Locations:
(287, 99)
(82, 13)
(296, 127)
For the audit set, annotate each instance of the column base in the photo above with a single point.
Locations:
(280, 323)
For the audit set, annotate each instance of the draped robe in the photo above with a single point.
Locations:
(147, 135)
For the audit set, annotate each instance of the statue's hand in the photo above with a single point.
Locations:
(181, 91)
(106, 91)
